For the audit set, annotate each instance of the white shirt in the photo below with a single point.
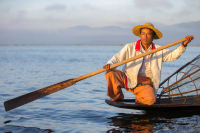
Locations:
(131, 69)
(145, 69)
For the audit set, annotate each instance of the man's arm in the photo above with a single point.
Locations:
(171, 55)
(118, 57)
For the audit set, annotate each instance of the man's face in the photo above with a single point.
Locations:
(146, 36)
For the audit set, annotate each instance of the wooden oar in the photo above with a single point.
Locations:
(24, 99)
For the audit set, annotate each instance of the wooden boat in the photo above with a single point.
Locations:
(183, 94)
(164, 105)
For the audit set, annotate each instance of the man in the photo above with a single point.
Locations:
(141, 76)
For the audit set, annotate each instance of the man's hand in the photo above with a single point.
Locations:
(107, 67)
(188, 39)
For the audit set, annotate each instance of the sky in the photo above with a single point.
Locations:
(52, 15)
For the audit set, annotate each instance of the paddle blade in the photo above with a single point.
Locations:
(27, 98)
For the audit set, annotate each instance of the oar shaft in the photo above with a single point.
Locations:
(24, 99)
(128, 60)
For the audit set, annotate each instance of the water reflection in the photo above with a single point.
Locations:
(155, 121)
(21, 129)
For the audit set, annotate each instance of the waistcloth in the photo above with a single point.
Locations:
(144, 92)
(141, 85)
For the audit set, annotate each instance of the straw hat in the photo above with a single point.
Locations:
(136, 30)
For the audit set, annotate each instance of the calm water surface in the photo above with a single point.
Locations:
(81, 107)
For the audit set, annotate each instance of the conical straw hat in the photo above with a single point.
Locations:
(136, 30)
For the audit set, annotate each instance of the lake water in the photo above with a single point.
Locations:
(80, 108)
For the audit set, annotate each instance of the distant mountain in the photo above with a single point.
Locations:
(178, 31)
(190, 25)
(93, 36)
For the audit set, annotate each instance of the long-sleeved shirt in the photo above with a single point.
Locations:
(145, 69)
(131, 69)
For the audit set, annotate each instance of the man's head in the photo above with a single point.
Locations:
(149, 29)
(147, 35)
(137, 30)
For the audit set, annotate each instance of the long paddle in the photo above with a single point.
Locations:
(24, 99)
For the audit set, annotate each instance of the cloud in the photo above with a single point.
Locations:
(152, 4)
(194, 4)
(56, 7)
(183, 13)
(152, 10)
(88, 6)
(62, 14)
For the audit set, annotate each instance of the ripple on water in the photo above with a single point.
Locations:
(81, 107)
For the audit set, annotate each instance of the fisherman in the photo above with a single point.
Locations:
(141, 76)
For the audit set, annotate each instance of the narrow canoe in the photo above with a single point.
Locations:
(163, 106)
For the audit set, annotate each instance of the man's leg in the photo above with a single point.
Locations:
(116, 80)
(145, 95)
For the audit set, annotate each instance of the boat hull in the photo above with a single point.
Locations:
(130, 104)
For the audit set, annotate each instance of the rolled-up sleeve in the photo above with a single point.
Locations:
(171, 55)
(120, 56)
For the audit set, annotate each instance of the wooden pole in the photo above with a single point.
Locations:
(130, 59)
(24, 99)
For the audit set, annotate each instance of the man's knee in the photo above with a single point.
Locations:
(151, 100)
(152, 97)
(145, 101)
(146, 95)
